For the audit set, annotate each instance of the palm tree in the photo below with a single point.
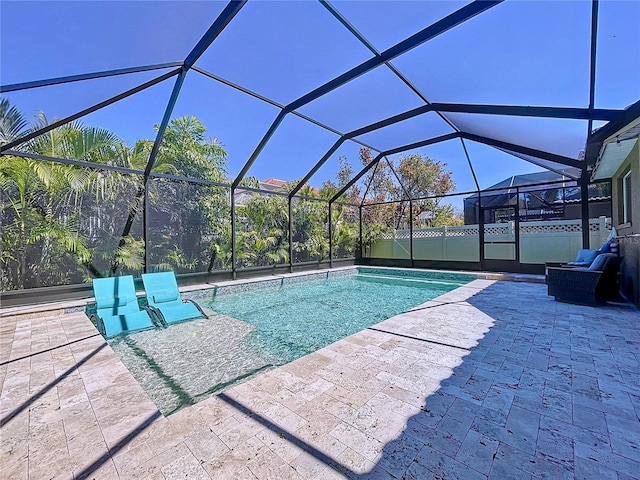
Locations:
(193, 224)
(310, 236)
(12, 123)
(263, 240)
(33, 232)
(45, 202)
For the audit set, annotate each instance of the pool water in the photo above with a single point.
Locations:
(295, 320)
(254, 331)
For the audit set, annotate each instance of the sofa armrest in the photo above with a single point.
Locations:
(573, 285)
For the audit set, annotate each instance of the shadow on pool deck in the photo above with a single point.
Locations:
(549, 391)
(522, 387)
(47, 388)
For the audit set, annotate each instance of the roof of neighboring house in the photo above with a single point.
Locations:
(575, 197)
(274, 181)
(500, 198)
(271, 185)
(524, 180)
(277, 184)
(531, 179)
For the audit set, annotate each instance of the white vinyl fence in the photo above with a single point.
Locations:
(540, 242)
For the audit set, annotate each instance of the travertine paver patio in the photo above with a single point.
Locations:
(493, 380)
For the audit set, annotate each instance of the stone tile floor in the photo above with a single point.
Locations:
(492, 380)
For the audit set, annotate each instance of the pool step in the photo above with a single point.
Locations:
(410, 279)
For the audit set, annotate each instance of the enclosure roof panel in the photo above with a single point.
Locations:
(618, 55)
(388, 22)
(70, 38)
(517, 53)
(281, 83)
(283, 49)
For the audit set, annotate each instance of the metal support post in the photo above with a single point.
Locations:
(233, 233)
(290, 236)
(330, 238)
(360, 239)
(517, 226)
(145, 227)
(584, 210)
(480, 230)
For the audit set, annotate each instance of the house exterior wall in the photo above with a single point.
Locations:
(630, 246)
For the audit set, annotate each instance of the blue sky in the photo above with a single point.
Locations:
(520, 52)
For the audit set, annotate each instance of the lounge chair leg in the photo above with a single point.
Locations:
(96, 321)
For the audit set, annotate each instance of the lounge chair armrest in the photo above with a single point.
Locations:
(156, 316)
(188, 300)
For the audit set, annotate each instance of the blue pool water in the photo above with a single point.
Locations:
(294, 320)
(254, 331)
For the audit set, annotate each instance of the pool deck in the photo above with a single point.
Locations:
(492, 380)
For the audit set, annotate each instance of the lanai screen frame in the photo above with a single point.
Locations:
(179, 70)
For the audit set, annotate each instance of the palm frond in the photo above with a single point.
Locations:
(131, 253)
(12, 123)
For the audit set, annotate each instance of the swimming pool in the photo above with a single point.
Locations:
(276, 323)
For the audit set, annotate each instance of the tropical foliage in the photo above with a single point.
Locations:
(64, 223)
(188, 221)
(46, 204)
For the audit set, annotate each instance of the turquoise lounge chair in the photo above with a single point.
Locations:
(117, 306)
(164, 299)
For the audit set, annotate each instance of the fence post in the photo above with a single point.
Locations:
(411, 232)
(394, 244)
(444, 242)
